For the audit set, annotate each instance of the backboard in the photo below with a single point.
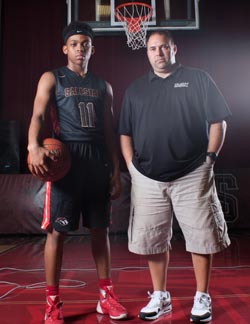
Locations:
(167, 14)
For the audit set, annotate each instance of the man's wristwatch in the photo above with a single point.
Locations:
(212, 155)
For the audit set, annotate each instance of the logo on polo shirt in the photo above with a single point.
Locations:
(181, 85)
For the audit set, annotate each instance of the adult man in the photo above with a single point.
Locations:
(82, 105)
(172, 127)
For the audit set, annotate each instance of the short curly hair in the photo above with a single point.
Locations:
(75, 28)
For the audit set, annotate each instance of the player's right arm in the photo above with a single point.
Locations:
(126, 148)
(43, 98)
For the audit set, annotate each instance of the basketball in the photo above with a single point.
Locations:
(59, 167)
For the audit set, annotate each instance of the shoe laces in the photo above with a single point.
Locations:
(109, 295)
(54, 311)
(155, 299)
(108, 292)
(202, 302)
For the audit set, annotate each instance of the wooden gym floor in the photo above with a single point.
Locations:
(22, 281)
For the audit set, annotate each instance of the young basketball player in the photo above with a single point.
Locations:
(82, 108)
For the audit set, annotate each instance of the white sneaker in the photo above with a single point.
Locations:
(202, 308)
(160, 303)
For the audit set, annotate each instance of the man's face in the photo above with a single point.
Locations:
(79, 49)
(161, 53)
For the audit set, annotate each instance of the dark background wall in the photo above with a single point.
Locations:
(31, 44)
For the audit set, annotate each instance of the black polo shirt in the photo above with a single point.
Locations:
(168, 121)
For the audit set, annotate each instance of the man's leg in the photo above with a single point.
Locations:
(158, 264)
(202, 264)
(149, 234)
(160, 301)
(202, 309)
(108, 303)
(100, 246)
(200, 216)
(53, 254)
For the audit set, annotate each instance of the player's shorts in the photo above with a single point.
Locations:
(85, 191)
(194, 201)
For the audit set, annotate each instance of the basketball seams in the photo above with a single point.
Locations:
(57, 168)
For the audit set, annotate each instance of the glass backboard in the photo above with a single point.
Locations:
(167, 14)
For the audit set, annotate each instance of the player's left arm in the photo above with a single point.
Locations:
(111, 142)
(217, 133)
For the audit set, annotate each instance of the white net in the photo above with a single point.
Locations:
(134, 17)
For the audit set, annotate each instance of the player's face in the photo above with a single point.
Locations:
(161, 53)
(79, 49)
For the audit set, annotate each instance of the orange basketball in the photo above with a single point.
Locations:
(59, 167)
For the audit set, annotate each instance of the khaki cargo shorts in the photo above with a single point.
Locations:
(194, 201)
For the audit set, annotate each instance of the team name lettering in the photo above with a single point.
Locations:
(76, 91)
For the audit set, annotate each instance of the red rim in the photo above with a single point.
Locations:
(139, 18)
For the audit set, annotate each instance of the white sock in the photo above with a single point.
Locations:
(200, 293)
(158, 293)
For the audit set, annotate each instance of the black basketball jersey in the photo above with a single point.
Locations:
(79, 106)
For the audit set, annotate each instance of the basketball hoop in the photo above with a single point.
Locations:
(134, 17)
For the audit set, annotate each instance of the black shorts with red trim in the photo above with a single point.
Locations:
(84, 191)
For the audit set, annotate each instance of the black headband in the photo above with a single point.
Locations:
(77, 31)
(77, 28)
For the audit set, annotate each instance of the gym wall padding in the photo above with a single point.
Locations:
(9, 147)
(22, 203)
